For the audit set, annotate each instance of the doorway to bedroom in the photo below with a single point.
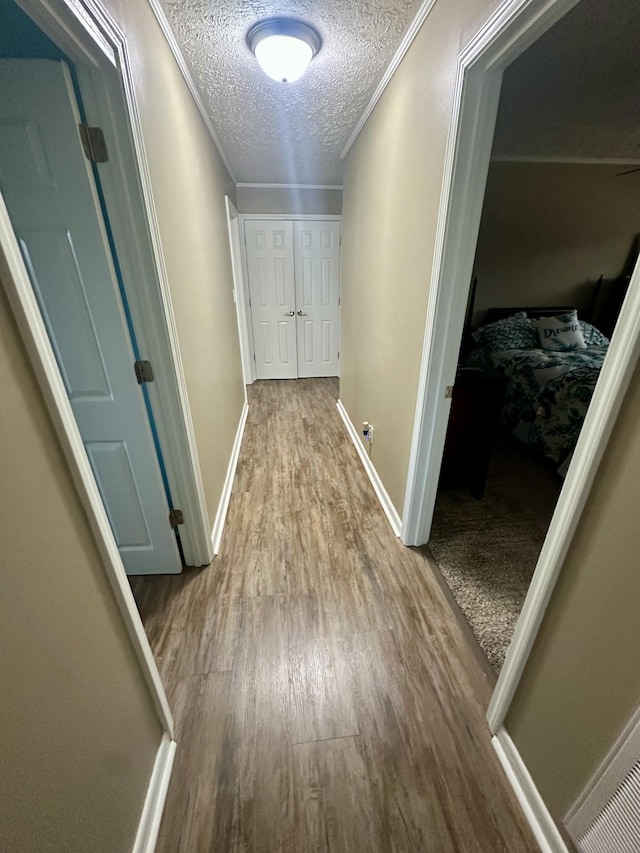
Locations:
(556, 247)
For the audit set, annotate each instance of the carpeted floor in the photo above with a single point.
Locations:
(487, 550)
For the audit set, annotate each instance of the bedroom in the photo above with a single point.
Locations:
(558, 233)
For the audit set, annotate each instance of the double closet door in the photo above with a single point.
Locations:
(294, 287)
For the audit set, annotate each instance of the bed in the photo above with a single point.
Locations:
(548, 389)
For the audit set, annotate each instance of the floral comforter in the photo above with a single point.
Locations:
(548, 395)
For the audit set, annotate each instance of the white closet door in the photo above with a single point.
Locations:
(273, 299)
(48, 187)
(317, 265)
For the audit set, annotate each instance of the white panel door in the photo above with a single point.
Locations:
(273, 299)
(51, 197)
(317, 265)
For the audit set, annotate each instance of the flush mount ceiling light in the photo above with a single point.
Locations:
(283, 47)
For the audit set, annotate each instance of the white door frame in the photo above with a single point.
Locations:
(515, 25)
(34, 334)
(245, 309)
(27, 312)
(240, 293)
(88, 34)
(294, 217)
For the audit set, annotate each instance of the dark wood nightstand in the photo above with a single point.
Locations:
(477, 399)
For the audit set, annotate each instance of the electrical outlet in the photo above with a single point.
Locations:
(367, 431)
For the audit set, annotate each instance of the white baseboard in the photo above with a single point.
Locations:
(149, 825)
(533, 806)
(376, 482)
(223, 506)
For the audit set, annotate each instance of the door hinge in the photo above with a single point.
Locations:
(95, 148)
(144, 371)
(448, 391)
(176, 517)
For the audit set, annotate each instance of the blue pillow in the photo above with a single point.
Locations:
(514, 332)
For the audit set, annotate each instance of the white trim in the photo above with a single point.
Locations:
(513, 28)
(315, 217)
(244, 266)
(151, 301)
(223, 506)
(467, 162)
(165, 26)
(609, 775)
(533, 806)
(240, 293)
(607, 399)
(33, 331)
(149, 826)
(586, 161)
(70, 31)
(405, 44)
(194, 494)
(246, 186)
(129, 183)
(372, 474)
(508, 33)
(120, 181)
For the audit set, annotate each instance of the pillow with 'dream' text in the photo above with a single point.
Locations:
(561, 332)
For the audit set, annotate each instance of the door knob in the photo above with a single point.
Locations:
(289, 313)
(302, 313)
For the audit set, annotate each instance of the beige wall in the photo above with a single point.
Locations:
(549, 230)
(392, 185)
(79, 732)
(189, 184)
(582, 681)
(288, 200)
(583, 678)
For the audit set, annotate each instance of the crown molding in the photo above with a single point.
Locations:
(165, 26)
(585, 161)
(247, 186)
(405, 44)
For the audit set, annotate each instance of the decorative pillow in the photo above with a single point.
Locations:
(593, 337)
(561, 333)
(514, 332)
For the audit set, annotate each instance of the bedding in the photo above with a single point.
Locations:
(513, 332)
(593, 336)
(549, 390)
(548, 395)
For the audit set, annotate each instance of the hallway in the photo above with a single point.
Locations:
(324, 694)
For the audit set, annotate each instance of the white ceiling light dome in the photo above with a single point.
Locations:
(284, 47)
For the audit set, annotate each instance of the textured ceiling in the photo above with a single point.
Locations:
(288, 133)
(576, 91)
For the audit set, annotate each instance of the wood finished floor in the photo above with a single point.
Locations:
(325, 696)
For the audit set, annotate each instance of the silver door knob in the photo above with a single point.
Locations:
(302, 313)
(289, 313)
